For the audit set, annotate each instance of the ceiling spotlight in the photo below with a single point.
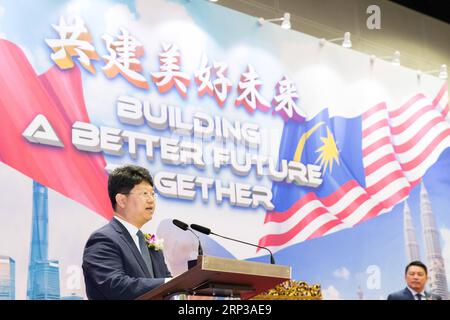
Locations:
(442, 72)
(346, 43)
(396, 58)
(285, 24)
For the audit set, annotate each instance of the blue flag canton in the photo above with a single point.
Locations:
(334, 144)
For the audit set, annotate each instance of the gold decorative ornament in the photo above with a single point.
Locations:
(292, 290)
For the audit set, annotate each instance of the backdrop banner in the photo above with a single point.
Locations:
(335, 161)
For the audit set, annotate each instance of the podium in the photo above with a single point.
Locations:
(221, 277)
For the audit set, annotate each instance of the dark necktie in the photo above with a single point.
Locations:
(419, 296)
(144, 252)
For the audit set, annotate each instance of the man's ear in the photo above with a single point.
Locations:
(121, 200)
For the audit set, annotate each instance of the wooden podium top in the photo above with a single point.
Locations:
(214, 276)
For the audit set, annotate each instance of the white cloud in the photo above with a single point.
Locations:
(445, 235)
(116, 17)
(331, 293)
(342, 272)
(170, 23)
(2, 11)
(147, 12)
(77, 7)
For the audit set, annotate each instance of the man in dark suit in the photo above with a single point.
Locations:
(119, 262)
(416, 276)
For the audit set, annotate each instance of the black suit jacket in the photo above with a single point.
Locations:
(405, 294)
(113, 267)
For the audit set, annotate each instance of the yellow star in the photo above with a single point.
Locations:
(328, 152)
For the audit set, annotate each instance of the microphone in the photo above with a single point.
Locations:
(185, 226)
(201, 229)
(180, 224)
(208, 231)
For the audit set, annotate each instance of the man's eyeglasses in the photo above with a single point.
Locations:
(144, 194)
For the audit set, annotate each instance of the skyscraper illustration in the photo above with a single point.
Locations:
(411, 244)
(435, 261)
(7, 278)
(360, 293)
(43, 274)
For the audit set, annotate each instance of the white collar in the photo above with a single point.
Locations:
(414, 292)
(132, 229)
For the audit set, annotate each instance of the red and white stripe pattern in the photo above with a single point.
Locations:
(398, 146)
(441, 102)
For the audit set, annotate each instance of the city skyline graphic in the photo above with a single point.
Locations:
(437, 280)
(43, 279)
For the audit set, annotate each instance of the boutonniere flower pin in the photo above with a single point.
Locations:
(153, 242)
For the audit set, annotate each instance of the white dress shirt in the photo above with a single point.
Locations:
(132, 230)
(422, 293)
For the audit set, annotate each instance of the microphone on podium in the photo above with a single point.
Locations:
(208, 231)
(185, 226)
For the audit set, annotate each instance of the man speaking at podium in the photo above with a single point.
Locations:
(119, 261)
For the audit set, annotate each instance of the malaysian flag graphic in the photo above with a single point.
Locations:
(370, 163)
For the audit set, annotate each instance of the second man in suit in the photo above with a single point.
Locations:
(416, 276)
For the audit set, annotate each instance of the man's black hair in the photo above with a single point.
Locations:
(417, 264)
(123, 179)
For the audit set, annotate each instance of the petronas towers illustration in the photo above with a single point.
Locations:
(435, 262)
